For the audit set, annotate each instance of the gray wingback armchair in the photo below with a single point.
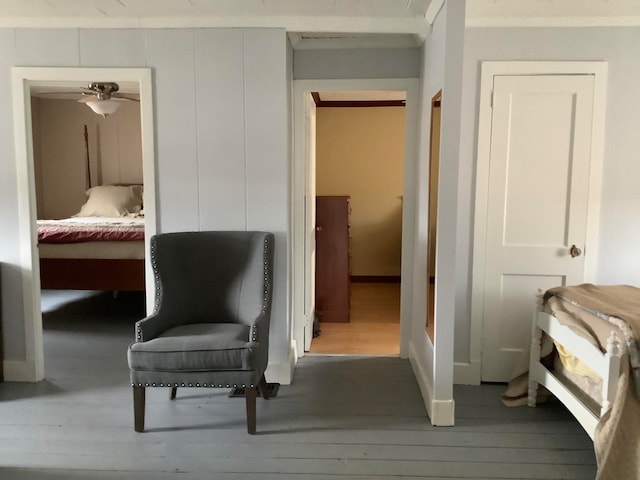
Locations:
(210, 325)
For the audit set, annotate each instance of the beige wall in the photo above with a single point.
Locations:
(359, 153)
(60, 156)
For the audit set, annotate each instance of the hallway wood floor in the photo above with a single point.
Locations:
(374, 328)
(342, 418)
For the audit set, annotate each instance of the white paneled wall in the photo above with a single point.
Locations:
(46, 47)
(112, 48)
(222, 142)
(170, 52)
(265, 140)
(12, 312)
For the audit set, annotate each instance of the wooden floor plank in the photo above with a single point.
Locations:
(342, 418)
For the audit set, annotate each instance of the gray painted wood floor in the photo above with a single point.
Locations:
(343, 417)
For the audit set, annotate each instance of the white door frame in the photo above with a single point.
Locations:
(32, 369)
(299, 256)
(489, 71)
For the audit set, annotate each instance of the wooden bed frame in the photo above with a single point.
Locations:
(607, 365)
(92, 274)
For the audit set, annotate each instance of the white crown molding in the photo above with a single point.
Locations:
(627, 21)
(407, 25)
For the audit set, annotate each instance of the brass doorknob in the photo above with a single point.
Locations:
(575, 251)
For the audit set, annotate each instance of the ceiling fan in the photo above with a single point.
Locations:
(102, 97)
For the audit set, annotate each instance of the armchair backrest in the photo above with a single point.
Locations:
(213, 277)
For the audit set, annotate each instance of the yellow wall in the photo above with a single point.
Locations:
(359, 153)
(115, 152)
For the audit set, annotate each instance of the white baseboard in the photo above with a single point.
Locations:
(441, 412)
(19, 371)
(467, 373)
(422, 378)
(282, 372)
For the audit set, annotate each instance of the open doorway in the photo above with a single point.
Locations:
(89, 189)
(359, 154)
(303, 203)
(34, 202)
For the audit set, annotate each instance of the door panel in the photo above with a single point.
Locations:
(537, 207)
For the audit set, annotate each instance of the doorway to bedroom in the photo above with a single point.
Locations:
(88, 169)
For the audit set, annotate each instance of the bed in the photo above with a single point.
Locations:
(584, 351)
(99, 248)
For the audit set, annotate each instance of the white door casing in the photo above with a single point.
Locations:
(542, 182)
(32, 368)
(310, 220)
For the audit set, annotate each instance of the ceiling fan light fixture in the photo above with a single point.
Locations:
(103, 107)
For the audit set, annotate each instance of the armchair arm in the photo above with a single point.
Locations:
(151, 326)
(259, 339)
(260, 328)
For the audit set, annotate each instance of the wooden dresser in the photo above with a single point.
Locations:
(332, 259)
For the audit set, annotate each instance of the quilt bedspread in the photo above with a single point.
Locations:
(90, 229)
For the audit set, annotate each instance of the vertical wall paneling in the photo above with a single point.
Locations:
(12, 312)
(170, 54)
(40, 47)
(265, 120)
(112, 48)
(267, 163)
(220, 129)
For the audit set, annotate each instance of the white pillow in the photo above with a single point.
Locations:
(112, 201)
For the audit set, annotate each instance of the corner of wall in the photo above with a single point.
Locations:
(282, 372)
(466, 373)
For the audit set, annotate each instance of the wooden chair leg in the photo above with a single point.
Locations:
(138, 408)
(262, 386)
(174, 390)
(250, 397)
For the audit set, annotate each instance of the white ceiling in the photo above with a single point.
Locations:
(141, 12)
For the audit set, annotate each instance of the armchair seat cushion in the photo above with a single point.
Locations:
(195, 347)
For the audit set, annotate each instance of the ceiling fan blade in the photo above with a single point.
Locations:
(54, 94)
(87, 98)
(124, 96)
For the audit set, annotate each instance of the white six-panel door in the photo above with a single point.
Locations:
(537, 203)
